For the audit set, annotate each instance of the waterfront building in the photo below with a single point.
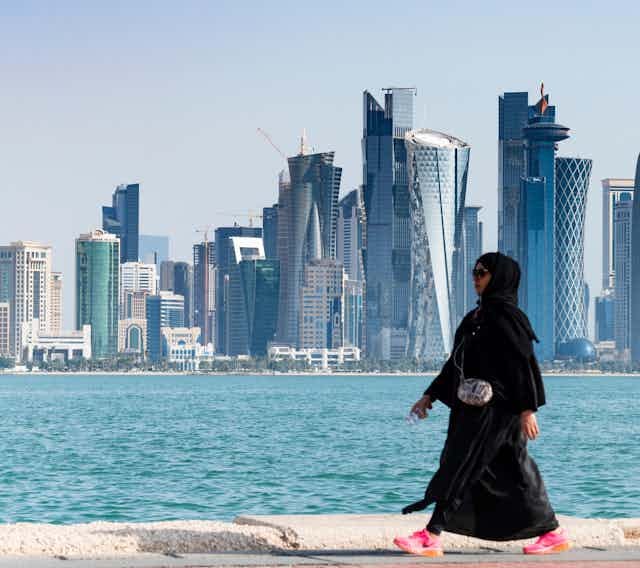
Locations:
(270, 231)
(154, 249)
(635, 275)
(321, 312)
(349, 235)
(55, 322)
(135, 277)
(183, 352)
(353, 328)
(225, 261)
(385, 188)
(167, 270)
(622, 265)
(25, 284)
(165, 309)
(133, 304)
(605, 310)
(316, 358)
(538, 221)
(5, 329)
(472, 249)
(122, 219)
(260, 285)
(438, 170)
(183, 285)
(613, 189)
(132, 336)
(307, 217)
(572, 185)
(204, 290)
(46, 346)
(513, 112)
(97, 290)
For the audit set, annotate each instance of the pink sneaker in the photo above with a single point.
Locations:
(549, 543)
(420, 542)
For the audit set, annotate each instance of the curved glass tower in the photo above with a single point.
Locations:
(572, 184)
(438, 169)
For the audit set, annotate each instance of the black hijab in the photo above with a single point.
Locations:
(499, 301)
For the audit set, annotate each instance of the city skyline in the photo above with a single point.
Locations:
(75, 135)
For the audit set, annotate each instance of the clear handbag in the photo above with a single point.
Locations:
(472, 391)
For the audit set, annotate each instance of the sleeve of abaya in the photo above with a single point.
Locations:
(522, 375)
(440, 387)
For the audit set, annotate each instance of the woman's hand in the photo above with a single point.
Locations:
(420, 407)
(529, 424)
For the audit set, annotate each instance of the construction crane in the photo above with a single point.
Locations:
(251, 215)
(273, 144)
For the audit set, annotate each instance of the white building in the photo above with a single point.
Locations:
(25, 278)
(5, 328)
(622, 214)
(182, 348)
(136, 277)
(317, 358)
(55, 324)
(613, 191)
(63, 346)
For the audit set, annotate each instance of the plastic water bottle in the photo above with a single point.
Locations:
(412, 418)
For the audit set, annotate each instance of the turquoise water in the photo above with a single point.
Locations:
(82, 448)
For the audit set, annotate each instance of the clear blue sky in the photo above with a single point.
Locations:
(170, 94)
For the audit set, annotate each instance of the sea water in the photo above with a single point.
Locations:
(80, 448)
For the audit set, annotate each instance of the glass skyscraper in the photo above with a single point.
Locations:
(307, 218)
(538, 222)
(165, 309)
(385, 185)
(513, 109)
(270, 231)
(97, 290)
(204, 290)
(183, 286)
(472, 249)
(635, 271)
(122, 220)
(572, 184)
(438, 168)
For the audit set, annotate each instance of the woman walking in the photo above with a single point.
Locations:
(487, 485)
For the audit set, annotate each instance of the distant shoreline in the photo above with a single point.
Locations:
(292, 373)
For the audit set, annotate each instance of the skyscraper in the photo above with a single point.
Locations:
(538, 222)
(386, 202)
(622, 263)
(138, 277)
(438, 169)
(25, 284)
(472, 249)
(122, 220)
(97, 290)
(572, 184)
(204, 290)
(224, 262)
(635, 274)
(167, 268)
(165, 309)
(307, 217)
(55, 321)
(270, 231)
(183, 285)
(612, 191)
(513, 109)
(349, 236)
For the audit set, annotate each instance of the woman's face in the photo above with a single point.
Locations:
(481, 277)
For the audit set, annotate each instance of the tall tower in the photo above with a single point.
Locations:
(55, 321)
(97, 290)
(623, 265)
(204, 290)
(385, 185)
(472, 249)
(439, 166)
(635, 271)
(307, 218)
(513, 109)
(538, 222)
(25, 284)
(122, 220)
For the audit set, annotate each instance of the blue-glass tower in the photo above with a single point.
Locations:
(635, 269)
(164, 310)
(386, 200)
(122, 220)
(538, 219)
(270, 231)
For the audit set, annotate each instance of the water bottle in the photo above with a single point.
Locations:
(412, 418)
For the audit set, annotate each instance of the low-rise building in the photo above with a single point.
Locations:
(317, 358)
(44, 346)
(132, 336)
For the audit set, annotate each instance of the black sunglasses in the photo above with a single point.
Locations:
(479, 272)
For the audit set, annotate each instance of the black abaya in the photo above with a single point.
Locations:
(487, 485)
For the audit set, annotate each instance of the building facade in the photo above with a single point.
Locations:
(572, 185)
(97, 290)
(622, 263)
(165, 309)
(307, 218)
(472, 249)
(183, 285)
(605, 314)
(270, 231)
(40, 346)
(55, 323)
(513, 111)
(350, 235)
(613, 189)
(25, 284)
(204, 290)
(5, 329)
(438, 167)
(385, 188)
(635, 276)
(353, 313)
(122, 219)
(135, 277)
(167, 268)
